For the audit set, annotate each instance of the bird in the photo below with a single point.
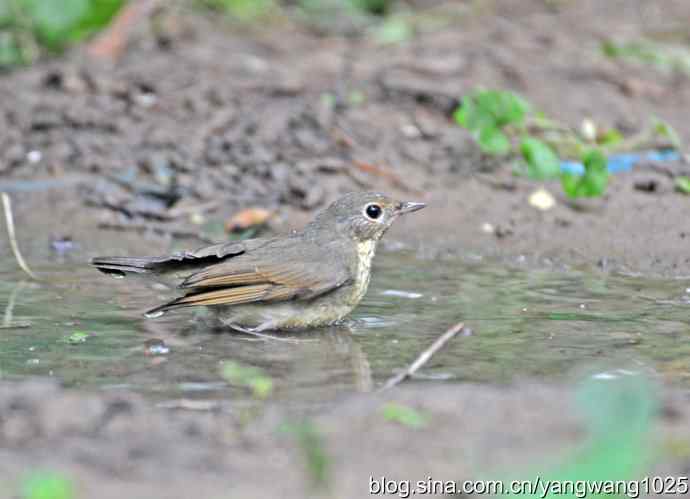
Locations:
(309, 278)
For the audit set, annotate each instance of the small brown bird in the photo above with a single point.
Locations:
(310, 278)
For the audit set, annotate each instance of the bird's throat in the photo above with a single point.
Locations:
(365, 254)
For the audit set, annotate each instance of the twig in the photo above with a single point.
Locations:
(9, 219)
(16, 325)
(190, 405)
(9, 310)
(424, 356)
(7, 321)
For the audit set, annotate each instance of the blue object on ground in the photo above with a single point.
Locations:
(624, 161)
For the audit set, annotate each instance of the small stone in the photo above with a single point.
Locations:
(34, 156)
(588, 129)
(542, 199)
(155, 347)
(487, 228)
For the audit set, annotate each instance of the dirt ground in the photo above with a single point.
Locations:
(204, 119)
(117, 446)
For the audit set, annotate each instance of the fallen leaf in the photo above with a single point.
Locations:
(248, 218)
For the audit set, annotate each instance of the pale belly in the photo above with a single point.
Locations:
(283, 316)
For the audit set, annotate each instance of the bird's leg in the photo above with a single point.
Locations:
(255, 331)
(266, 326)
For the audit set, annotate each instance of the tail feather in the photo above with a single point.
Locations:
(159, 310)
(121, 265)
(167, 269)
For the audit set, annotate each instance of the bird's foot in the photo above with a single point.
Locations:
(256, 332)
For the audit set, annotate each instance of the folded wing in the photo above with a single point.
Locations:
(281, 271)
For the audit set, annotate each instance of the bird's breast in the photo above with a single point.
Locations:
(365, 254)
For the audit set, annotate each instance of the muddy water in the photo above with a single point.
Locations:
(536, 323)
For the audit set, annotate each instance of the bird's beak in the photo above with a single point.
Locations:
(409, 207)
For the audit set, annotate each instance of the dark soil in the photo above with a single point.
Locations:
(208, 119)
(202, 119)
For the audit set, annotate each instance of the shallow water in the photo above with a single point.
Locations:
(525, 323)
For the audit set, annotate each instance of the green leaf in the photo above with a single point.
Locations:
(542, 161)
(313, 447)
(619, 411)
(610, 137)
(99, 16)
(47, 486)
(10, 50)
(594, 181)
(506, 108)
(461, 114)
(472, 117)
(404, 415)
(76, 337)
(248, 376)
(394, 30)
(376, 7)
(663, 129)
(6, 16)
(683, 184)
(244, 10)
(490, 108)
(610, 49)
(53, 20)
(493, 141)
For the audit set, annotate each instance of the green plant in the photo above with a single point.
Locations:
(46, 485)
(31, 27)
(76, 338)
(311, 443)
(661, 56)
(542, 161)
(504, 124)
(405, 415)
(395, 29)
(683, 184)
(243, 10)
(250, 377)
(488, 114)
(618, 410)
(664, 130)
(593, 182)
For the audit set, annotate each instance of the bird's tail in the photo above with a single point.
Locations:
(121, 265)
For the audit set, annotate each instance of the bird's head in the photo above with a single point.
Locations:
(362, 216)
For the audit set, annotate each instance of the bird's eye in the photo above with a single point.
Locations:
(373, 211)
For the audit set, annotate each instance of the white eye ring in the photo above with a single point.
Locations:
(373, 212)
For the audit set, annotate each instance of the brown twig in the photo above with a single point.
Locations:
(424, 356)
(11, 234)
(191, 405)
(8, 321)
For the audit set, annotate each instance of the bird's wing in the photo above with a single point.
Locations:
(279, 271)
